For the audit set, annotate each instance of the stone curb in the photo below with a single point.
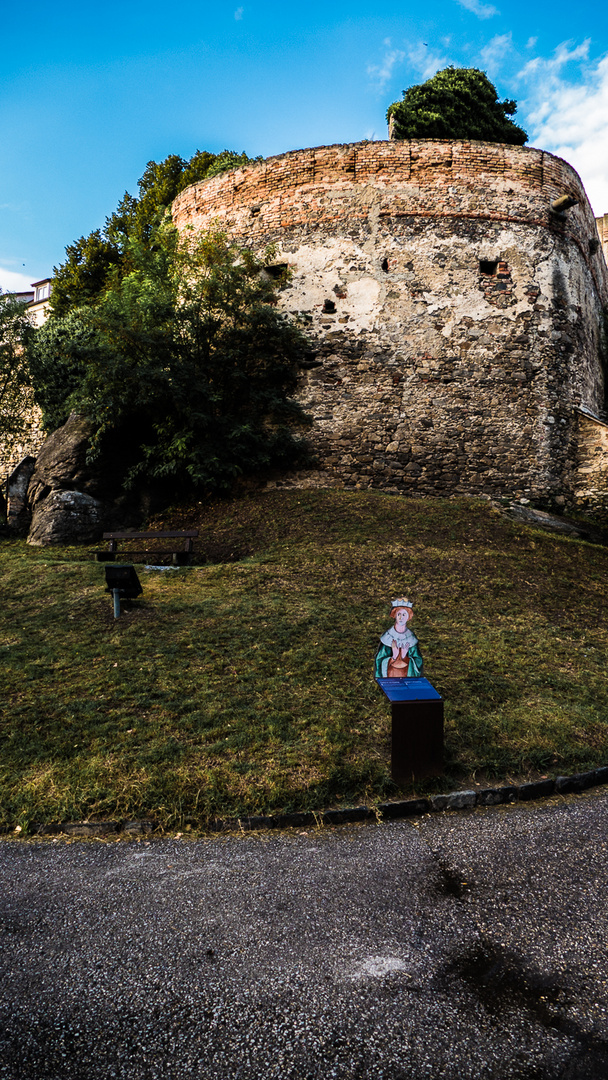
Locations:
(94, 828)
(388, 811)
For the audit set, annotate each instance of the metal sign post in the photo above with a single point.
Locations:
(122, 582)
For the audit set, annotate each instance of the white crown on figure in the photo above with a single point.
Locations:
(401, 602)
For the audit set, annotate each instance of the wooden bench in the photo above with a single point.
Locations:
(178, 557)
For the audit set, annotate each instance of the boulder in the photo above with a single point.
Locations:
(66, 517)
(17, 508)
(72, 501)
(61, 463)
(62, 494)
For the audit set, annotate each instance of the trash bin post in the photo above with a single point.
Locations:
(416, 728)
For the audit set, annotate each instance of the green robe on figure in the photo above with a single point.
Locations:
(385, 652)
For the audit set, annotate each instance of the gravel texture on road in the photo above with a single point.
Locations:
(462, 946)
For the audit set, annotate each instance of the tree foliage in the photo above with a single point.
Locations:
(15, 399)
(457, 103)
(184, 361)
(93, 260)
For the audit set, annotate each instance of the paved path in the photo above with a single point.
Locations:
(461, 946)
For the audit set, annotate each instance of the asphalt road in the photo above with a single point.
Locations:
(460, 946)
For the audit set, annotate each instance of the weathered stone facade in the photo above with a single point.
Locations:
(592, 473)
(455, 317)
(602, 228)
(14, 449)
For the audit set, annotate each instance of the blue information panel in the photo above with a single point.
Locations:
(408, 689)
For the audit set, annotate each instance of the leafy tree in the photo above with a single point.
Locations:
(92, 260)
(58, 353)
(85, 272)
(15, 395)
(184, 361)
(457, 103)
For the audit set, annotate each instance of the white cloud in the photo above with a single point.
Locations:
(239, 14)
(482, 11)
(11, 281)
(425, 61)
(381, 73)
(495, 51)
(531, 42)
(550, 68)
(567, 114)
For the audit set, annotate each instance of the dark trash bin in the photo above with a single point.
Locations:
(416, 730)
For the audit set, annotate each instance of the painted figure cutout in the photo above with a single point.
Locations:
(398, 656)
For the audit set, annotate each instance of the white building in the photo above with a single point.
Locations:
(38, 307)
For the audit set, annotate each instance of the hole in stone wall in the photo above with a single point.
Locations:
(309, 360)
(487, 267)
(277, 270)
(385, 265)
(329, 307)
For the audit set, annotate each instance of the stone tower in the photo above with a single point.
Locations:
(456, 316)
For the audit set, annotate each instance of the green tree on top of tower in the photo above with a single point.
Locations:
(456, 103)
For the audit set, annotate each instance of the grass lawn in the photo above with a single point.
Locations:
(245, 684)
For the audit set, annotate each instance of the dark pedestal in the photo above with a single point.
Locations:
(417, 728)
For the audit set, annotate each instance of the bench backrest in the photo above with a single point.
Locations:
(162, 535)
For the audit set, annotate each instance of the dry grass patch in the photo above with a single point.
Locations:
(246, 686)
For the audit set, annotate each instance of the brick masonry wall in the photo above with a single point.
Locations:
(455, 318)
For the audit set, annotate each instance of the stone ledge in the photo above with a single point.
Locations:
(95, 828)
(456, 800)
(387, 811)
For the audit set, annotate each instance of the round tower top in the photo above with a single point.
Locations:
(336, 189)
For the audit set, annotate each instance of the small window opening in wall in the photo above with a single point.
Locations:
(277, 270)
(385, 265)
(329, 308)
(489, 268)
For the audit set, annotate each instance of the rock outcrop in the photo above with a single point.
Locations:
(61, 464)
(18, 514)
(63, 491)
(66, 517)
(71, 500)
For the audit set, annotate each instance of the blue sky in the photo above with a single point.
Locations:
(90, 93)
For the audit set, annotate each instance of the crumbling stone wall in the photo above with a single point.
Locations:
(14, 449)
(455, 318)
(592, 472)
(602, 228)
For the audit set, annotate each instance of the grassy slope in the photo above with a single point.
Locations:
(246, 686)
